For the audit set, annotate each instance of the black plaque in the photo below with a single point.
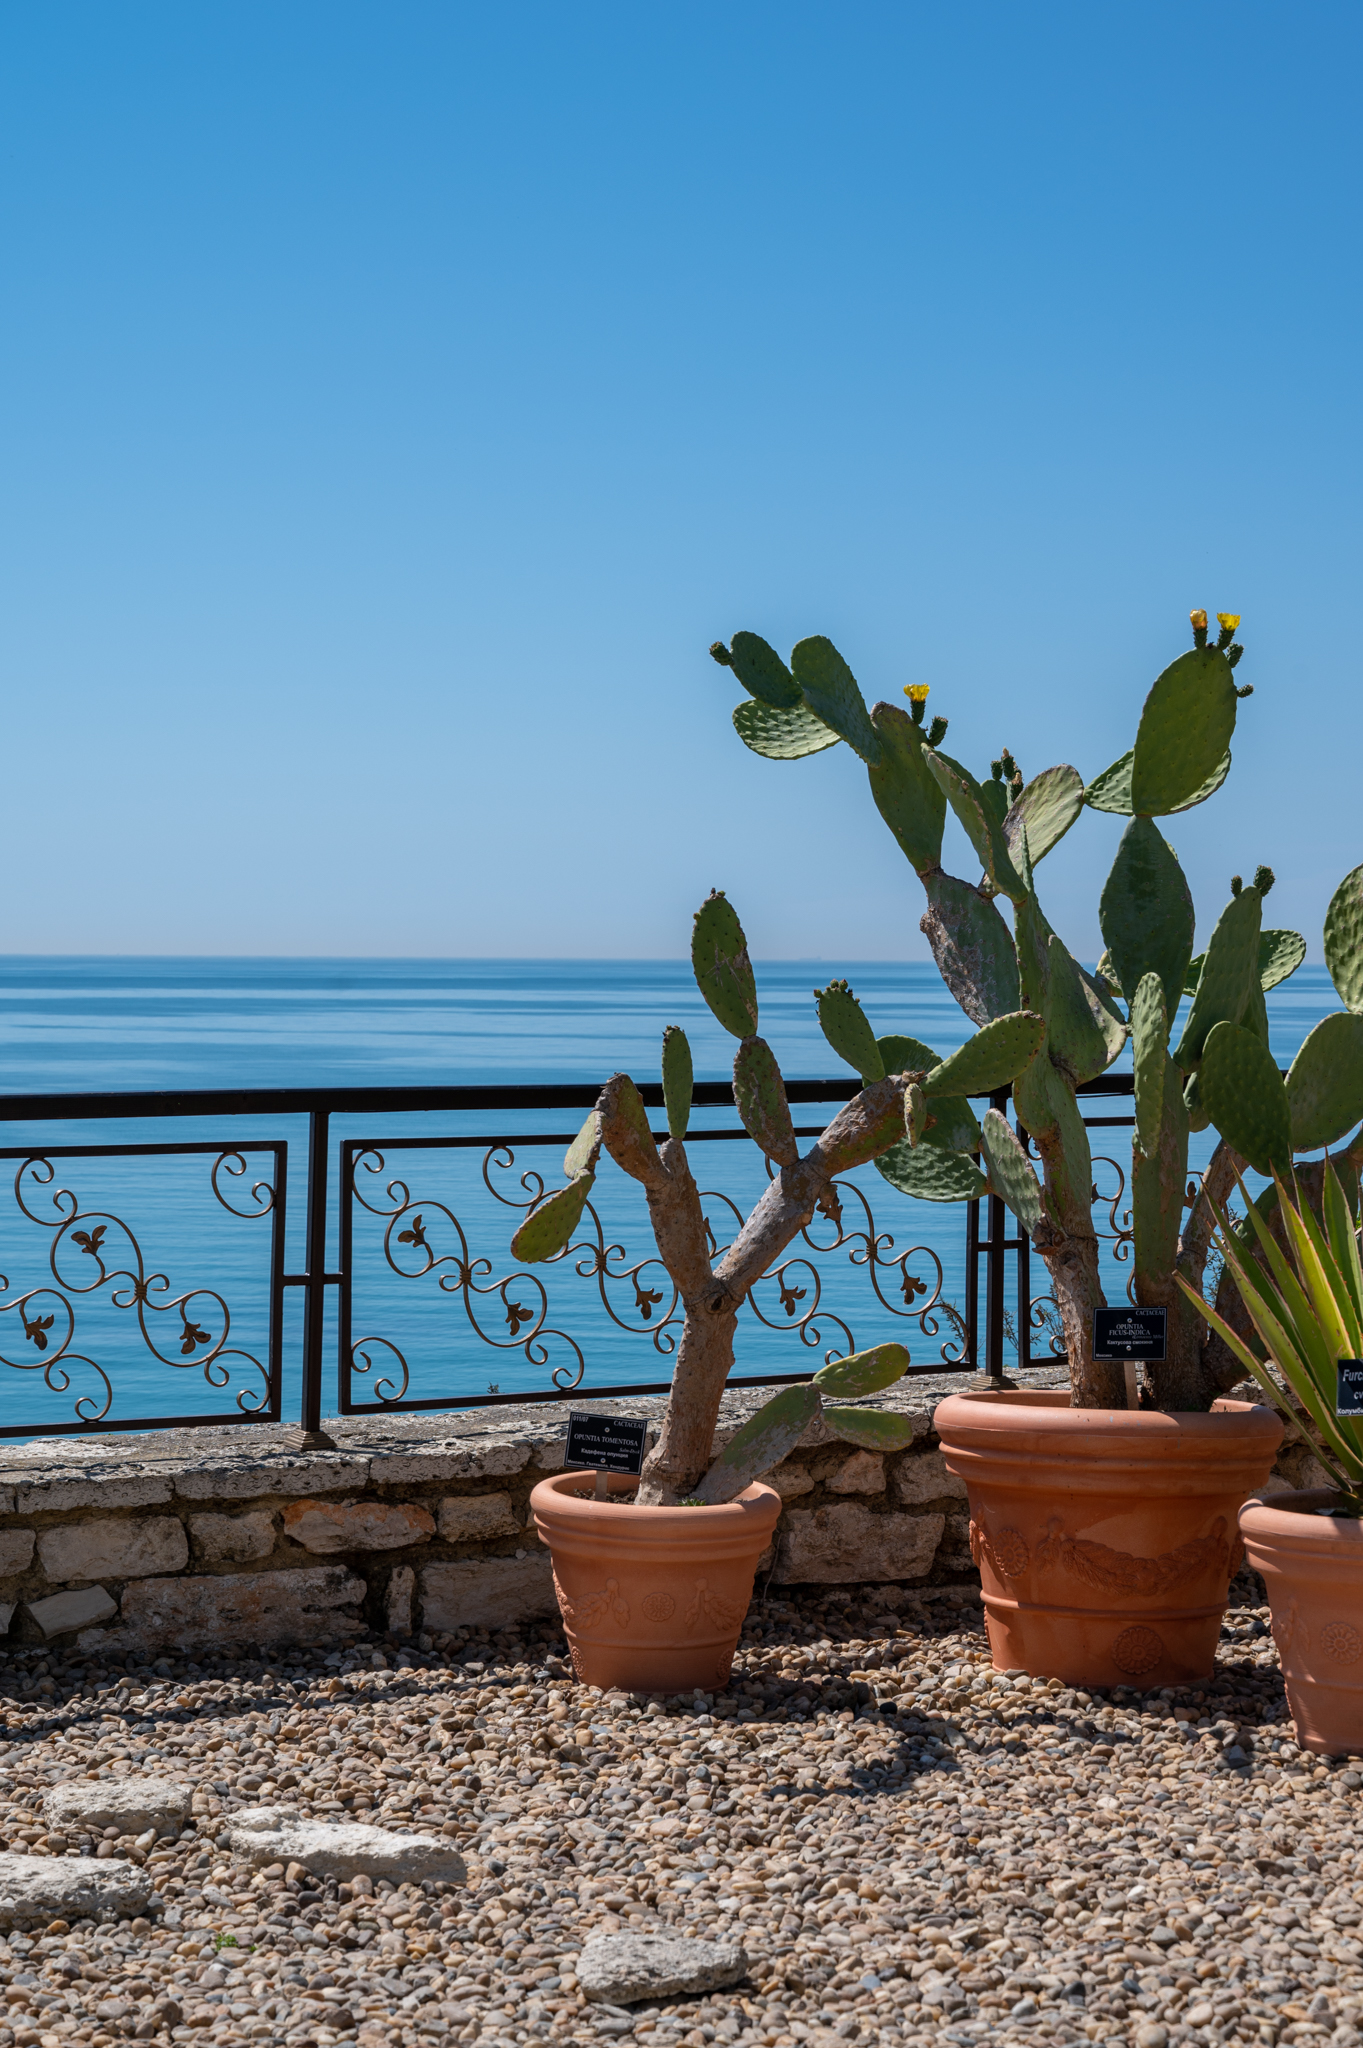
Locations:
(1349, 1387)
(607, 1443)
(1129, 1332)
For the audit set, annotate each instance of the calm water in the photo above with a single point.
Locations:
(87, 1024)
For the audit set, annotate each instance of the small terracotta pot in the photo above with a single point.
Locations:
(1106, 1538)
(1313, 1567)
(652, 1599)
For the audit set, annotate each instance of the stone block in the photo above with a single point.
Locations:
(924, 1477)
(232, 1539)
(549, 1456)
(61, 1613)
(129, 1804)
(16, 1551)
(62, 1491)
(847, 1544)
(954, 1551)
(6, 1615)
(790, 1480)
(318, 1603)
(620, 1969)
(397, 1600)
(271, 1475)
(488, 1458)
(342, 1849)
(863, 1472)
(487, 1592)
(37, 1889)
(326, 1527)
(474, 1517)
(114, 1548)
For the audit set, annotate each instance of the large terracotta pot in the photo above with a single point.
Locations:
(652, 1599)
(1105, 1538)
(1312, 1565)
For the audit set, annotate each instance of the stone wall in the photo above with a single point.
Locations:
(411, 1524)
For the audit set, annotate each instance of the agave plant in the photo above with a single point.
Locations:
(1304, 1298)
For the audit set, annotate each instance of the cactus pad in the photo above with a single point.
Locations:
(1280, 954)
(972, 946)
(1046, 1105)
(1111, 791)
(1150, 1047)
(1084, 1037)
(549, 1228)
(982, 828)
(905, 790)
(762, 672)
(678, 1080)
(585, 1150)
(865, 1372)
(930, 1175)
(760, 1098)
(1011, 1173)
(952, 1125)
(915, 1112)
(844, 1024)
(1146, 912)
(1325, 1082)
(723, 971)
(763, 1441)
(830, 691)
(1159, 1178)
(1242, 1093)
(1048, 806)
(1230, 969)
(903, 1055)
(1344, 940)
(781, 735)
(991, 1059)
(871, 1429)
(1184, 733)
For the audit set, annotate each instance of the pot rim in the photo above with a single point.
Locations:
(1048, 1412)
(558, 1501)
(1296, 1527)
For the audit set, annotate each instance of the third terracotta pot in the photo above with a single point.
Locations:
(1312, 1565)
(1105, 1538)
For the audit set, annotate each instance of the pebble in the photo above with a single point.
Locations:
(909, 1847)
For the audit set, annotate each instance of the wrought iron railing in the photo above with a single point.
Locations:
(409, 1247)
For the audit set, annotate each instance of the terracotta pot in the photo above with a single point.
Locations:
(652, 1599)
(1106, 1538)
(1313, 1567)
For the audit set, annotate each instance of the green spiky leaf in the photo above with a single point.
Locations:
(844, 1024)
(872, 1429)
(585, 1150)
(1146, 912)
(781, 734)
(762, 672)
(991, 1059)
(678, 1080)
(760, 1098)
(549, 1228)
(931, 1176)
(1325, 1082)
(1184, 733)
(1242, 1093)
(763, 1441)
(1230, 970)
(1344, 939)
(972, 946)
(1048, 806)
(865, 1372)
(1280, 954)
(723, 971)
(1011, 1173)
(906, 791)
(1150, 1048)
(830, 691)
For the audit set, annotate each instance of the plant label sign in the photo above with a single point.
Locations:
(1349, 1387)
(1130, 1333)
(607, 1443)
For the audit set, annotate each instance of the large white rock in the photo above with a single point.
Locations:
(114, 1548)
(487, 1592)
(849, 1545)
(37, 1888)
(342, 1849)
(61, 1612)
(620, 1969)
(128, 1804)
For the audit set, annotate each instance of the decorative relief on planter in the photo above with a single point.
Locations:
(1118, 1571)
(1138, 1650)
(713, 1608)
(1288, 1628)
(658, 1606)
(1340, 1641)
(596, 1607)
(1006, 1553)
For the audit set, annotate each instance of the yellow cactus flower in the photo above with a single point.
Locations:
(1199, 620)
(1228, 620)
(917, 693)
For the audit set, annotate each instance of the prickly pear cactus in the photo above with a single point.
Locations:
(843, 1023)
(760, 1098)
(723, 971)
(678, 1080)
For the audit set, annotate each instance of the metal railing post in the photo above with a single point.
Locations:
(310, 1434)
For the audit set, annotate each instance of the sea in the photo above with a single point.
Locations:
(136, 1287)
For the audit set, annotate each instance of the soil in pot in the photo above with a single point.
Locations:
(1106, 1539)
(1312, 1564)
(652, 1599)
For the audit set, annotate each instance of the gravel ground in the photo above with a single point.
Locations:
(907, 1845)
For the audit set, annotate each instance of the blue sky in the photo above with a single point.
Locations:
(396, 401)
